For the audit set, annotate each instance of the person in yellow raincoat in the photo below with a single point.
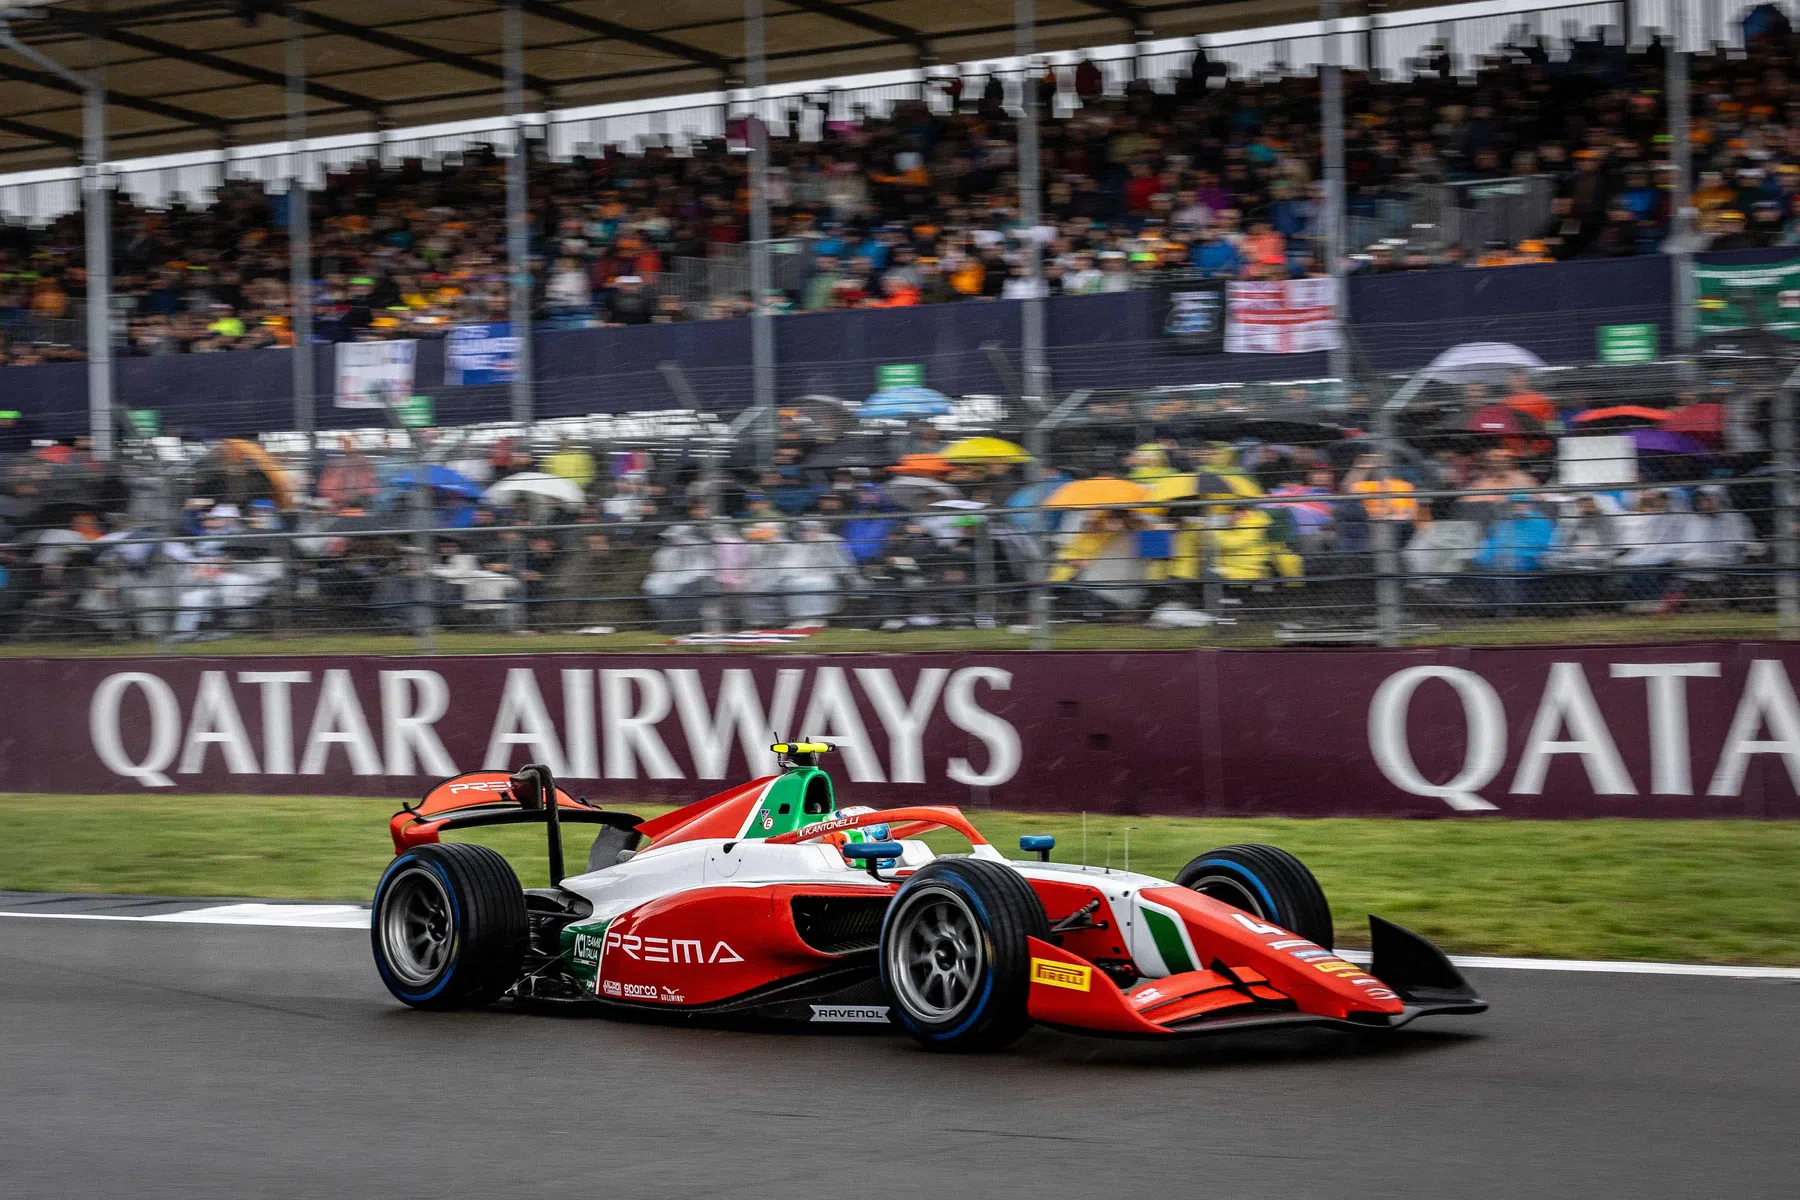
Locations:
(1241, 551)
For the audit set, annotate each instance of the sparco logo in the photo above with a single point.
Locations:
(863, 1014)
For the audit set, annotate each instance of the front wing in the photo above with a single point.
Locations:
(1069, 993)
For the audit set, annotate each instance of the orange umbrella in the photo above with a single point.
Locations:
(241, 450)
(921, 464)
(1100, 492)
(1622, 415)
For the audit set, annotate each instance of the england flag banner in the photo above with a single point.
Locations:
(1288, 316)
(374, 374)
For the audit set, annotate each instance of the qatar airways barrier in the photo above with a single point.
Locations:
(1698, 730)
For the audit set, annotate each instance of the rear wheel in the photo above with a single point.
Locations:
(1266, 882)
(449, 928)
(955, 961)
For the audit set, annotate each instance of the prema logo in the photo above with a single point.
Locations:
(670, 950)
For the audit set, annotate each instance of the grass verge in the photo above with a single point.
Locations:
(1608, 627)
(1701, 891)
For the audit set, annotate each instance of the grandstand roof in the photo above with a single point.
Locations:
(195, 74)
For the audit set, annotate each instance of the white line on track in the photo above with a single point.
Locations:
(355, 916)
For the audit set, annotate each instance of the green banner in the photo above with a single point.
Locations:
(890, 375)
(1627, 343)
(1748, 299)
(145, 422)
(415, 413)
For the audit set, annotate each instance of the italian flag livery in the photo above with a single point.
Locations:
(771, 901)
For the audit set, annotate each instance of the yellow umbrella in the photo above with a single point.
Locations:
(986, 450)
(1174, 487)
(1102, 492)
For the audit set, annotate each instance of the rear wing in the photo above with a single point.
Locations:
(478, 798)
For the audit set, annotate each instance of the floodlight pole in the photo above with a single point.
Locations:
(1680, 200)
(1031, 314)
(518, 232)
(762, 320)
(97, 208)
(1331, 113)
(299, 215)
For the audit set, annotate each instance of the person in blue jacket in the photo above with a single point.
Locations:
(1514, 549)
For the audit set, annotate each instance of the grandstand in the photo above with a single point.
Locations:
(1175, 307)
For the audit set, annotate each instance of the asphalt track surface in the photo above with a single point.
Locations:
(172, 1060)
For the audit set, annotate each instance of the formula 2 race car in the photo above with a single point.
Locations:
(767, 901)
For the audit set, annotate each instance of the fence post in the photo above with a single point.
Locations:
(1387, 557)
(984, 575)
(1787, 584)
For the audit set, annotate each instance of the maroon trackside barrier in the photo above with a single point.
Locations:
(1693, 730)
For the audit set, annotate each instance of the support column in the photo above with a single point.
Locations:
(300, 245)
(97, 204)
(1681, 262)
(518, 232)
(762, 321)
(1331, 114)
(1035, 367)
(1787, 553)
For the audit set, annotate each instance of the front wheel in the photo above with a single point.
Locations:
(449, 927)
(955, 962)
(1266, 882)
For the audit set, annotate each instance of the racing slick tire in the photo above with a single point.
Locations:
(449, 926)
(1265, 882)
(955, 963)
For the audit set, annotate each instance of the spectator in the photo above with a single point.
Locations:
(1516, 545)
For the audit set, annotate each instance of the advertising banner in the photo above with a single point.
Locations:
(1697, 730)
(1735, 300)
(1191, 316)
(374, 374)
(1288, 316)
(480, 354)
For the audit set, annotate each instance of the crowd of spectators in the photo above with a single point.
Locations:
(890, 525)
(1215, 175)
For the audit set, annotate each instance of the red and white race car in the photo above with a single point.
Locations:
(767, 901)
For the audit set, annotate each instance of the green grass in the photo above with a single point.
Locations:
(1706, 891)
(1064, 636)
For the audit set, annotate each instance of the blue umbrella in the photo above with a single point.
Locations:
(1033, 495)
(441, 478)
(905, 403)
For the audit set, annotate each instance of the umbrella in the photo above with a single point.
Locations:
(1498, 418)
(441, 478)
(1100, 492)
(915, 491)
(1661, 441)
(948, 529)
(242, 450)
(905, 403)
(986, 450)
(921, 464)
(1292, 431)
(1620, 416)
(1703, 421)
(1481, 362)
(1033, 495)
(1183, 487)
(536, 483)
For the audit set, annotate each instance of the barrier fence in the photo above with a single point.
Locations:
(1304, 563)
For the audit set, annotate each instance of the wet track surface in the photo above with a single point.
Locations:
(146, 1060)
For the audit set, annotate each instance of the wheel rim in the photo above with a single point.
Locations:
(937, 956)
(1230, 891)
(417, 929)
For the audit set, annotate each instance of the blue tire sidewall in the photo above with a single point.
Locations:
(413, 858)
(1271, 910)
(957, 883)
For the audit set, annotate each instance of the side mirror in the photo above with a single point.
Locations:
(872, 854)
(1038, 843)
